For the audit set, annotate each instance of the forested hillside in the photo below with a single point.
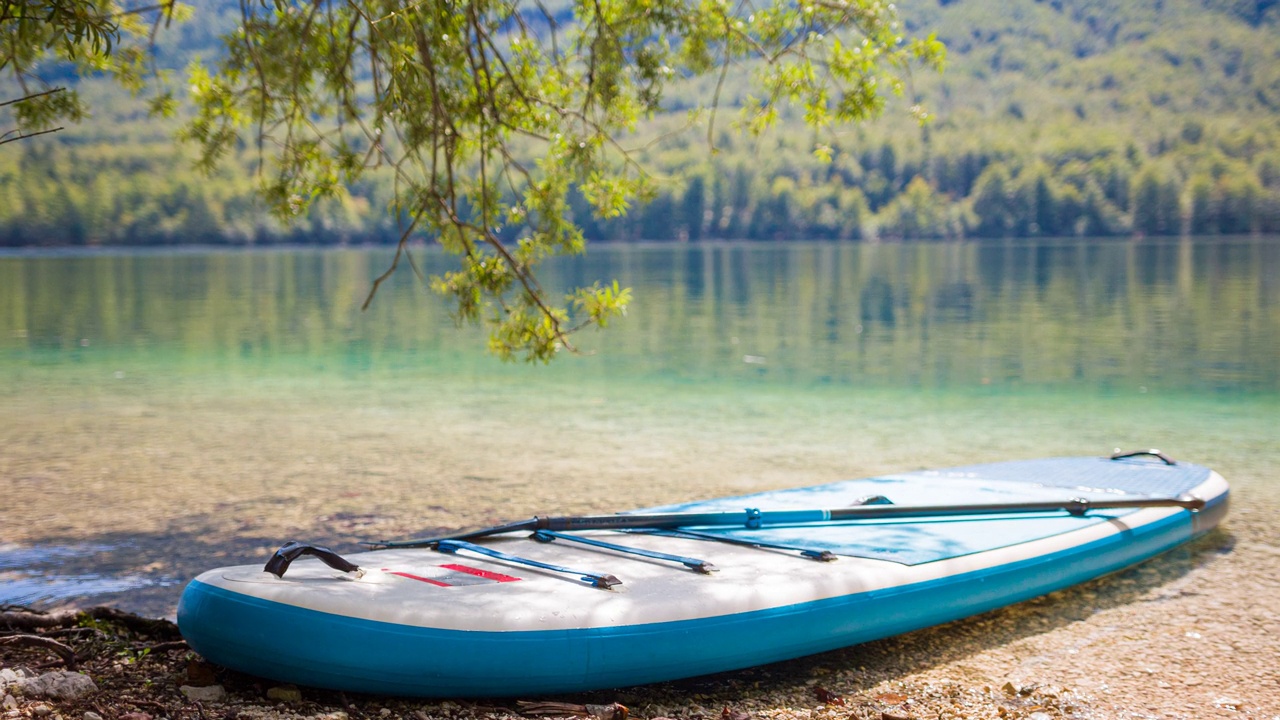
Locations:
(1061, 117)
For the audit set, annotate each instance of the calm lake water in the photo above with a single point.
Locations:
(168, 412)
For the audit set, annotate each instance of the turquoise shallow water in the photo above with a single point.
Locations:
(169, 411)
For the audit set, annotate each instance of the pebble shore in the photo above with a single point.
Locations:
(160, 486)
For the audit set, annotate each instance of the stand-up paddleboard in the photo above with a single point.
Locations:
(554, 605)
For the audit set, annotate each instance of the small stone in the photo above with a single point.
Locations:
(617, 711)
(384, 712)
(135, 716)
(204, 693)
(284, 693)
(41, 710)
(10, 703)
(9, 677)
(59, 685)
(335, 715)
(91, 715)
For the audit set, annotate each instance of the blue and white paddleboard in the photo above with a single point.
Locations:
(511, 615)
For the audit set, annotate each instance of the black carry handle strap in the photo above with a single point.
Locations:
(291, 551)
(1121, 455)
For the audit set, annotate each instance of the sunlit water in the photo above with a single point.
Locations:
(168, 412)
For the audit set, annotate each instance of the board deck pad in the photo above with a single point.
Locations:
(911, 541)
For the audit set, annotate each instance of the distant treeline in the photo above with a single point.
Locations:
(947, 187)
(150, 194)
(1190, 182)
(1054, 118)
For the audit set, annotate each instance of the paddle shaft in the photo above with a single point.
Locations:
(753, 518)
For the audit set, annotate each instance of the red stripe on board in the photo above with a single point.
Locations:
(496, 577)
(411, 576)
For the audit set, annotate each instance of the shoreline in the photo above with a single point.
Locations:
(179, 477)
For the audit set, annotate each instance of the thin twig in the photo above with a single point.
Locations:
(8, 139)
(401, 249)
(164, 646)
(33, 96)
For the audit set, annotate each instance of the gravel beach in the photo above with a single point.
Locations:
(156, 486)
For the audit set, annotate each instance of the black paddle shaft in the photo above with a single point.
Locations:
(753, 518)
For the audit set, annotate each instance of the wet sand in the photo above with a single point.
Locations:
(158, 479)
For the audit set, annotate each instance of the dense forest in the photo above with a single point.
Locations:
(1053, 118)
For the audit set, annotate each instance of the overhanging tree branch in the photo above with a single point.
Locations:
(493, 126)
